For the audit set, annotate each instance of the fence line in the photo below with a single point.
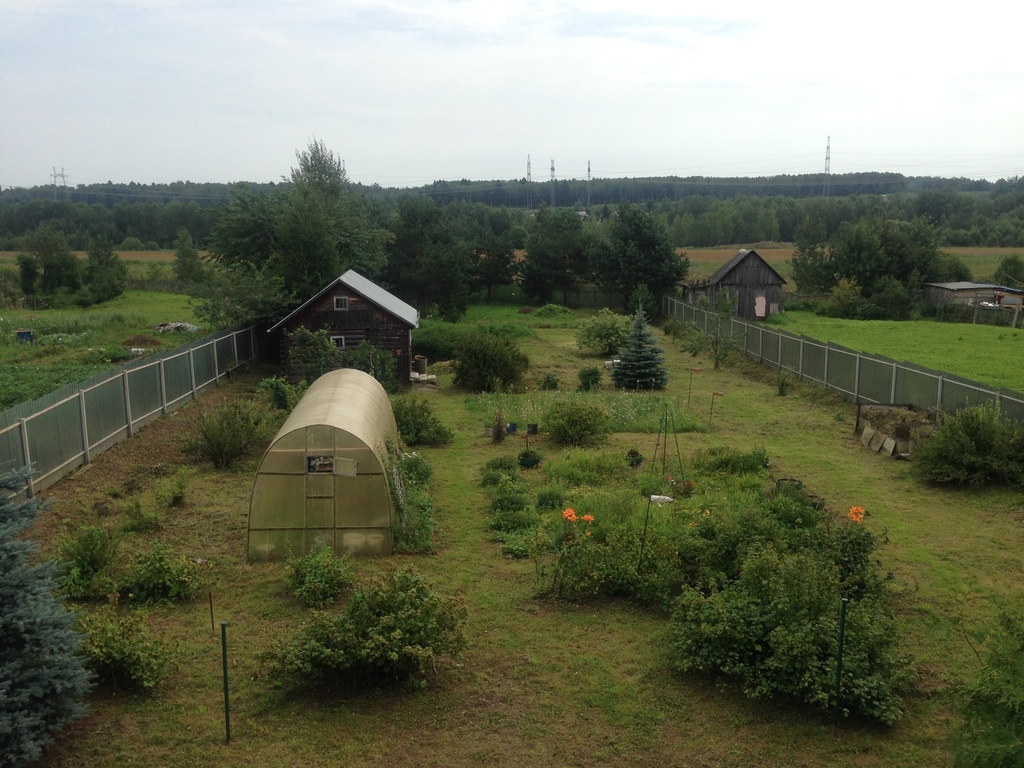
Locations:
(857, 376)
(68, 428)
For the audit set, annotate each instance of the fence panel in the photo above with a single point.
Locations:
(105, 414)
(814, 355)
(842, 370)
(66, 428)
(916, 387)
(790, 353)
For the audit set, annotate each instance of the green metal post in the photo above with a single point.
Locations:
(839, 659)
(227, 705)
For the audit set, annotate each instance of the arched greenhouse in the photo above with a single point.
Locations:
(323, 478)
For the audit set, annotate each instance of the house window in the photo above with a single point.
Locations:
(338, 341)
(341, 303)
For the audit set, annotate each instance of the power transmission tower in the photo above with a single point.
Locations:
(63, 178)
(588, 184)
(827, 190)
(529, 184)
(552, 182)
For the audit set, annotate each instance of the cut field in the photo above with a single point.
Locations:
(987, 354)
(543, 682)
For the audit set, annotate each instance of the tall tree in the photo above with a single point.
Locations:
(106, 276)
(299, 239)
(188, 264)
(638, 250)
(641, 363)
(557, 254)
(42, 677)
(59, 266)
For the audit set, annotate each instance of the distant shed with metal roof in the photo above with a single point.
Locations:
(323, 479)
(353, 309)
(964, 292)
(749, 278)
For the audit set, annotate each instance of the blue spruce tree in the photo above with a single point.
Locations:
(42, 677)
(641, 363)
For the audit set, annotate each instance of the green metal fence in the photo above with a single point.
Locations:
(66, 429)
(856, 375)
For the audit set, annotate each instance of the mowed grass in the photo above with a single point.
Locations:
(984, 353)
(545, 683)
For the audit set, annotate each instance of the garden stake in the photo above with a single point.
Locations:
(712, 412)
(227, 705)
(690, 389)
(643, 538)
(212, 628)
(839, 658)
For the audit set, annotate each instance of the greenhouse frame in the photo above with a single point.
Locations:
(323, 479)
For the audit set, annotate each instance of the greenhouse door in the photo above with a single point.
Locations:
(319, 487)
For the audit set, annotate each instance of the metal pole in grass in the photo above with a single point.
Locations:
(227, 705)
(839, 658)
(643, 537)
(712, 413)
(689, 389)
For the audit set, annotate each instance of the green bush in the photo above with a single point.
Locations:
(550, 382)
(974, 446)
(487, 362)
(992, 702)
(603, 334)
(552, 497)
(417, 422)
(437, 340)
(775, 627)
(228, 432)
(120, 652)
(88, 557)
(553, 311)
(318, 578)
(311, 354)
(393, 629)
(138, 519)
(575, 422)
(731, 461)
(518, 544)
(416, 470)
(282, 395)
(371, 359)
(514, 519)
(157, 575)
(590, 379)
(408, 476)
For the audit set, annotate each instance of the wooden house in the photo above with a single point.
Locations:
(353, 309)
(748, 277)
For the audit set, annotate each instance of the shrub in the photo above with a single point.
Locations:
(774, 629)
(552, 497)
(576, 423)
(731, 461)
(417, 422)
(974, 446)
(676, 329)
(311, 355)
(415, 470)
(282, 395)
(553, 311)
(590, 379)
(318, 578)
(550, 382)
(604, 333)
(138, 519)
(408, 475)
(173, 493)
(438, 340)
(379, 363)
(498, 427)
(228, 432)
(393, 629)
(486, 362)
(120, 652)
(88, 557)
(993, 717)
(518, 544)
(157, 575)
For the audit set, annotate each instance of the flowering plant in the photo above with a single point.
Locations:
(857, 514)
(634, 458)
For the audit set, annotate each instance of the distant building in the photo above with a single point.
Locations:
(964, 292)
(748, 277)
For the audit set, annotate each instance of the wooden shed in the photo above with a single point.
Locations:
(353, 309)
(746, 276)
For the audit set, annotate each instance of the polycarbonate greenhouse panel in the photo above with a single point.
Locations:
(362, 502)
(278, 501)
(365, 542)
(276, 545)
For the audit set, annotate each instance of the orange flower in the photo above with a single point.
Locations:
(570, 515)
(587, 518)
(857, 514)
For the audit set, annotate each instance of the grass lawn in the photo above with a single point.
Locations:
(543, 682)
(984, 353)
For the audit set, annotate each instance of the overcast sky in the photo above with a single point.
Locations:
(410, 92)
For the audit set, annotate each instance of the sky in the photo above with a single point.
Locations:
(409, 92)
